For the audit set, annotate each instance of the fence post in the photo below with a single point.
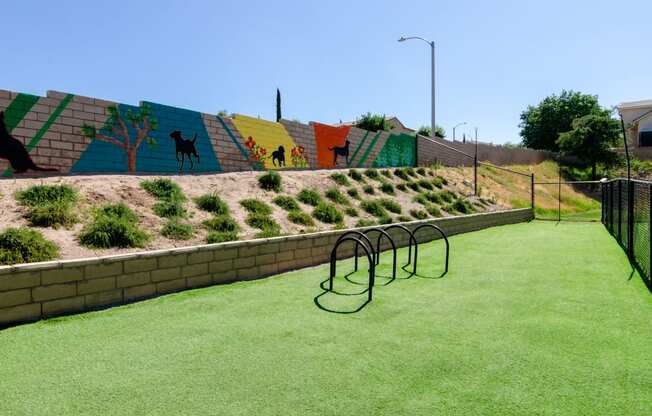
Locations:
(650, 232)
(475, 174)
(532, 193)
(620, 211)
(630, 218)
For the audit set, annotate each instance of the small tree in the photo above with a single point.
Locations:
(426, 130)
(373, 122)
(591, 138)
(278, 105)
(142, 123)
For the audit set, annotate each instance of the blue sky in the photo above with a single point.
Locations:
(333, 60)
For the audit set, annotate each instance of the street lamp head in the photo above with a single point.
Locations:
(402, 39)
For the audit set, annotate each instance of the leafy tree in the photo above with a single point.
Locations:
(278, 105)
(115, 131)
(373, 122)
(541, 125)
(425, 131)
(591, 138)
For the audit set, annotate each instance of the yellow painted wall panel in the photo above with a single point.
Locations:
(269, 136)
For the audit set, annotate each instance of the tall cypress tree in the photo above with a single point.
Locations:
(278, 105)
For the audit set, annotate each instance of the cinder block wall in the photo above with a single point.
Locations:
(41, 290)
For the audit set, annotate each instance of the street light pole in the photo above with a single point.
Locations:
(456, 126)
(433, 125)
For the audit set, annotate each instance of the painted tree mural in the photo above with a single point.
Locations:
(116, 131)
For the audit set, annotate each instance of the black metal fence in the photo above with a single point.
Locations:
(626, 207)
(576, 201)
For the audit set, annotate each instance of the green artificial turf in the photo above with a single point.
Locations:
(533, 319)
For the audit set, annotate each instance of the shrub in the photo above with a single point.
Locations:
(286, 202)
(374, 208)
(401, 187)
(386, 173)
(390, 205)
(353, 193)
(411, 172)
(222, 224)
(372, 174)
(387, 188)
(368, 189)
(413, 185)
(403, 218)
(176, 230)
(212, 203)
(351, 212)
(438, 182)
(433, 210)
(255, 206)
(373, 122)
(463, 206)
(22, 245)
(401, 174)
(309, 196)
(336, 196)
(433, 197)
(221, 237)
(268, 233)
(425, 184)
(420, 199)
(45, 194)
(301, 218)
(340, 179)
(261, 221)
(327, 213)
(447, 196)
(113, 226)
(163, 188)
(385, 220)
(170, 209)
(52, 214)
(443, 180)
(355, 175)
(365, 223)
(421, 171)
(419, 214)
(270, 181)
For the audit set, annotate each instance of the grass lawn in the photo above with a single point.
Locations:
(533, 319)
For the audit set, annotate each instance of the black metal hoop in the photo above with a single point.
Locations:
(412, 239)
(359, 234)
(443, 234)
(382, 233)
(372, 266)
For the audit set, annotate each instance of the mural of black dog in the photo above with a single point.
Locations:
(340, 151)
(185, 147)
(15, 152)
(279, 155)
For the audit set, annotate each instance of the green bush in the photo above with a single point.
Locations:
(401, 187)
(387, 188)
(340, 179)
(327, 213)
(176, 230)
(443, 180)
(351, 212)
(214, 237)
(309, 196)
(268, 233)
(385, 220)
(399, 172)
(212, 203)
(438, 182)
(433, 197)
(403, 218)
(336, 196)
(261, 221)
(374, 208)
(421, 171)
(113, 226)
(411, 172)
(390, 205)
(373, 122)
(355, 175)
(52, 214)
(222, 224)
(22, 245)
(386, 173)
(163, 188)
(413, 185)
(301, 218)
(463, 206)
(286, 202)
(353, 193)
(255, 206)
(368, 189)
(365, 223)
(419, 214)
(372, 174)
(433, 210)
(170, 209)
(425, 184)
(447, 196)
(270, 181)
(420, 199)
(46, 194)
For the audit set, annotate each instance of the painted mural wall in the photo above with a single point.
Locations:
(67, 133)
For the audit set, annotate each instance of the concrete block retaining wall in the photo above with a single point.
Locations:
(35, 291)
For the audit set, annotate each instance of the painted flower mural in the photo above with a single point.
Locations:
(298, 155)
(257, 153)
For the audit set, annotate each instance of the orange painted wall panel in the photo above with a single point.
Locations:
(327, 138)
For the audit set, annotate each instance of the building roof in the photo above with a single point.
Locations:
(393, 120)
(635, 105)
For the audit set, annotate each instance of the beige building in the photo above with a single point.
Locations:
(637, 116)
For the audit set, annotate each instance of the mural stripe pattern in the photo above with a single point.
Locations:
(18, 108)
(357, 149)
(244, 153)
(368, 150)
